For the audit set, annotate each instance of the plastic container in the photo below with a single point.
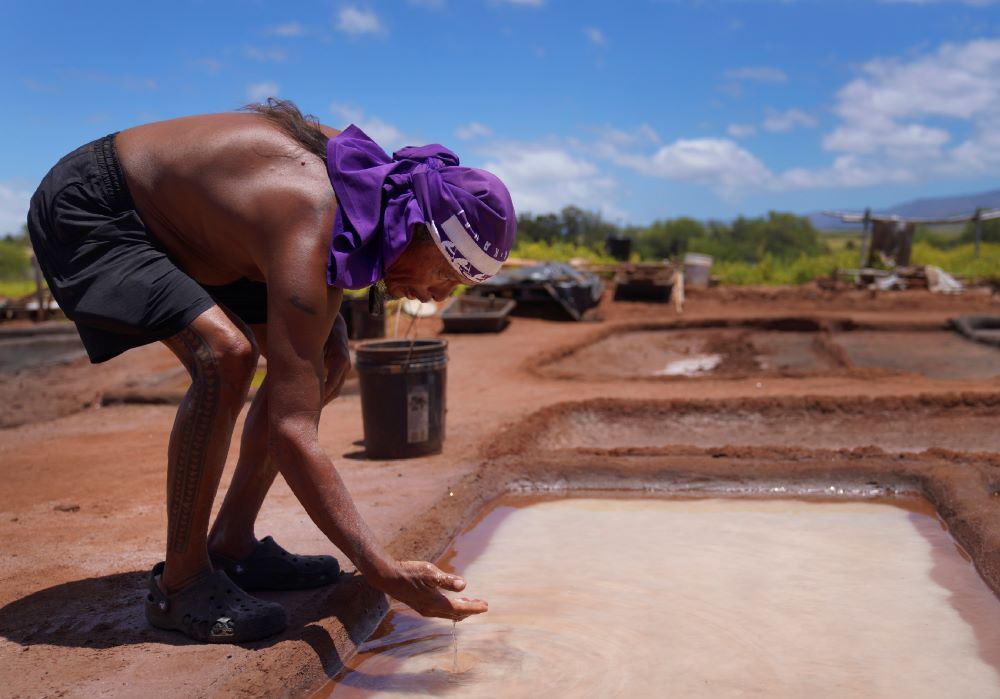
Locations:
(985, 329)
(361, 325)
(477, 314)
(618, 247)
(697, 269)
(402, 396)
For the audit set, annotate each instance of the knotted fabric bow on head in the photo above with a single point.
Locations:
(380, 200)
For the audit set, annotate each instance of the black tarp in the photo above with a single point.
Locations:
(549, 289)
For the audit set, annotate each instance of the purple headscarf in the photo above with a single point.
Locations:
(379, 200)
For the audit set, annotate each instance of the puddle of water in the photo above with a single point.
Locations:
(28, 352)
(788, 350)
(699, 598)
(690, 366)
(937, 355)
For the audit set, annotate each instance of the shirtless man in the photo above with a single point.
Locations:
(226, 236)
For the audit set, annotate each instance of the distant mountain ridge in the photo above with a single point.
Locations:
(924, 207)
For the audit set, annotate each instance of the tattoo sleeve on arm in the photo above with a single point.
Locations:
(301, 305)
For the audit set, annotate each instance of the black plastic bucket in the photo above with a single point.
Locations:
(402, 396)
(361, 324)
(618, 247)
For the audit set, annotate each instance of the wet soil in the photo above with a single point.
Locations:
(757, 348)
(64, 382)
(82, 516)
(916, 352)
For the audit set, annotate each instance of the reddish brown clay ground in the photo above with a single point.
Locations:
(82, 516)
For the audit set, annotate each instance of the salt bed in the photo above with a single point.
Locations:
(700, 598)
(936, 355)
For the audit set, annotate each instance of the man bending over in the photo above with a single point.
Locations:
(226, 236)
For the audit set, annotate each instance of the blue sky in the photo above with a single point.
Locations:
(639, 109)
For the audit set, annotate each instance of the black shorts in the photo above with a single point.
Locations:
(106, 270)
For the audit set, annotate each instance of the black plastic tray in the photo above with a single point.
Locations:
(477, 314)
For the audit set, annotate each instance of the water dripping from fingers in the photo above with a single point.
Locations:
(454, 647)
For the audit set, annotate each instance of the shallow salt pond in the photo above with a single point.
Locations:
(733, 597)
(725, 352)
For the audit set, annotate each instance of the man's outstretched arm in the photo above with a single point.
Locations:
(301, 311)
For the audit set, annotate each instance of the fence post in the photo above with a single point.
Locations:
(979, 229)
(864, 236)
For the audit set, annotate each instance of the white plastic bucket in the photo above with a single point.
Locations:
(697, 268)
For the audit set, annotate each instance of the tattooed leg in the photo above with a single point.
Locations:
(220, 359)
(233, 533)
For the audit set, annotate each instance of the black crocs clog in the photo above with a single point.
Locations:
(270, 567)
(213, 610)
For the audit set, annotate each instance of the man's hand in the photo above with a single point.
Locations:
(418, 585)
(337, 359)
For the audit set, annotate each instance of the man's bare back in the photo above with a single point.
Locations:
(217, 190)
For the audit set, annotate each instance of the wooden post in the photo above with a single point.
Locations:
(979, 228)
(864, 236)
(40, 315)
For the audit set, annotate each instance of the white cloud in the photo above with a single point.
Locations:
(523, 3)
(595, 36)
(14, 201)
(765, 74)
(288, 29)
(382, 132)
(779, 122)
(741, 130)
(258, 92)
(898, 121)
(720, 163)
(545, 177)
(845, 171)
(905, 113)
(354, 21)
(473, 130)
(880, 135)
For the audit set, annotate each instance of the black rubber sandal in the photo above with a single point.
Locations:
(270, 567)
(213, 610)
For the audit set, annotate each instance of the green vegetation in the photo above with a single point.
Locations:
(961, 259)
(779, 248)
(16, 289)
(15, 260)
(557, 251)
(772, 270)
(16, 276)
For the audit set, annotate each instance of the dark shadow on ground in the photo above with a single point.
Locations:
(107, 612)
(358, 455)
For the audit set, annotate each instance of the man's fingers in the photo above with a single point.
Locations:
(452, 583)
(467, 607)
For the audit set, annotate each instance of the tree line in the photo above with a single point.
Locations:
(776, 235)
